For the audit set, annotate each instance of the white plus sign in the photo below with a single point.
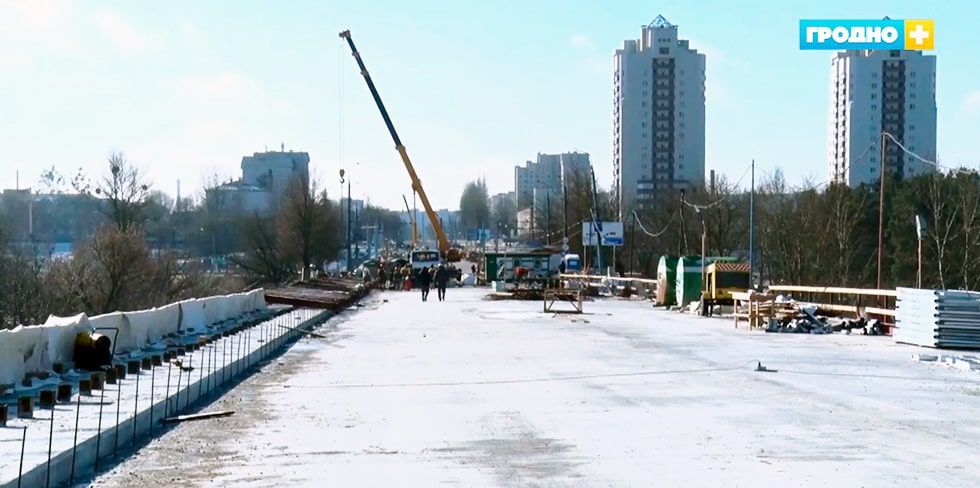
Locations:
(919, 34)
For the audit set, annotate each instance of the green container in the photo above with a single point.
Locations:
(688, 286)
(666, 279)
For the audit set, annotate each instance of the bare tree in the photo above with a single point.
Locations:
(126, 191)
(308, 226)
(944, 213)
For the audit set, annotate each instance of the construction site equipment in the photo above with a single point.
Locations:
(724, 279)
(564, 295)
(92, 351)
(449, 253)
(938, 318)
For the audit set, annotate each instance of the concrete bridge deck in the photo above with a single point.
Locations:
(471, 393)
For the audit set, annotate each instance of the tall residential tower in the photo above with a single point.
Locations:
(658, 117)
(875, 92)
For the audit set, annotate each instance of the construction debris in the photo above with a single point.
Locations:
(966, 362)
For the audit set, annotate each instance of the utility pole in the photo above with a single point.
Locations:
(564, 204)
(881, 210)
(683, 226)
(632, 241)
(752, 228)
(547, 200)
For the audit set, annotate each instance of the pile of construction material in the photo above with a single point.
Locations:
(331, 293)
(964, 362)
(806, 321)
(938, 318)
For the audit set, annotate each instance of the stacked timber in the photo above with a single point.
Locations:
(938, 318)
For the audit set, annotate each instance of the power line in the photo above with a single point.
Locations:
(924, 160)
(723, 198)
(643, 229)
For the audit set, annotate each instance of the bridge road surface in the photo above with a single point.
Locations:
(476, 393)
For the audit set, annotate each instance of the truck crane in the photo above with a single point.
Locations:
(448, 253)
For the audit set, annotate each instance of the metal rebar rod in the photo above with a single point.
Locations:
(136, 406)
(180, 375)
(166, 405)
(153, 376)
(50, 437)
(200, 376)
(115, 438)
(20, 470)
(190, 367)
(74, 444)
(98, 435)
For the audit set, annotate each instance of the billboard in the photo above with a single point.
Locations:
(611, 232)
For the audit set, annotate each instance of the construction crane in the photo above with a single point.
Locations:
(447, 252)
(411, 219)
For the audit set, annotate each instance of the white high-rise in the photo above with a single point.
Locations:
(658, 134)
(872, 92)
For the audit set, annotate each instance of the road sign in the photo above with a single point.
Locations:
(612, 233)
(564, 247)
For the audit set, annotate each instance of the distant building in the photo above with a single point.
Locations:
(658, 117)
(497, 198)
(872, 92)
(265, 178)
(273, 171)
(524, 223)
(545, 176)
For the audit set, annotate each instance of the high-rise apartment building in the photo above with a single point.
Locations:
(874, 92)
(658, 117)
(536, 180)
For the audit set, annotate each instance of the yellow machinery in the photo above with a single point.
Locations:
(723, 279)
(447, 252)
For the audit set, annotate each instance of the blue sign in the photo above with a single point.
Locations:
(841, 34)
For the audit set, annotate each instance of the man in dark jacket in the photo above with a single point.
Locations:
(423, 280)
(441, 279)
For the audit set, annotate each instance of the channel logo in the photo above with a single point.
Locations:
(908, 34)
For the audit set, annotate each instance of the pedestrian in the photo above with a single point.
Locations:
(473, 269)
(423, 280)
(441, 279)
(382, 277)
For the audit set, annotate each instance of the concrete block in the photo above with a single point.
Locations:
(85, 387)
(146, 363)
(98, 380)
(120, 371)
(25, 407)
(133, 367)
(48, 399)
(64, 393)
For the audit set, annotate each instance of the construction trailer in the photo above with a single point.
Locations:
(723, 279)
(542, 265)
(688, 286)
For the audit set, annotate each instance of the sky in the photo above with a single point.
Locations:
(186, 88)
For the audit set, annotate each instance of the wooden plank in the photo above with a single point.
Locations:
(832, 289)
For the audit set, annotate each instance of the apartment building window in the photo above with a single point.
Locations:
(664, 51)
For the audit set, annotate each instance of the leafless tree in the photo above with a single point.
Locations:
(125, 191)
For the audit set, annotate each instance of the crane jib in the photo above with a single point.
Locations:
(444, 247)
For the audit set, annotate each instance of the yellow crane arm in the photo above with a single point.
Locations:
(444, 247)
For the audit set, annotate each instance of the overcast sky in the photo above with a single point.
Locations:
(185, 89)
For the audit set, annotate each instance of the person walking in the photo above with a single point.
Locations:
(441, 279)
(424, 279)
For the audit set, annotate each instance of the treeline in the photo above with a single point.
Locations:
(826, 234)
(136, 248)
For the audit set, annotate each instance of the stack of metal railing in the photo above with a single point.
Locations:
(938, 318)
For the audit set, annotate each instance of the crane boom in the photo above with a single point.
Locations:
(444, 247)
